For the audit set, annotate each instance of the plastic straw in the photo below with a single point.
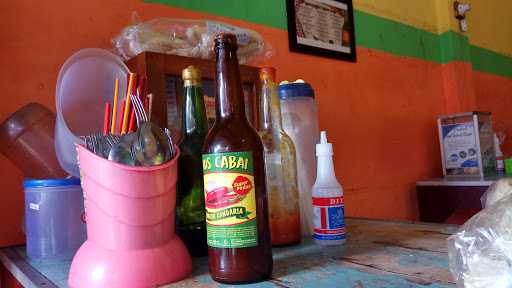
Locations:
(128, 104)
(106, 118)
(121, 119)
(131, 127)
(114, 109)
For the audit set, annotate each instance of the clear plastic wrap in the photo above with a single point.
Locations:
(480, 252)
(192, 38)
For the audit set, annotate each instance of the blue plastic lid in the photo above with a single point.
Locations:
(295, 89)
(34, 183)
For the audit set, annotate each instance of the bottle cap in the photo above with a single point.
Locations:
(289, 90)
(323, 148)
(191, 76)
(268, 73)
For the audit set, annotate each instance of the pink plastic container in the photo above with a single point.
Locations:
(130, 226)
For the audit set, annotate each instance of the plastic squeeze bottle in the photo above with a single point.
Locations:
(500, 164)
(328, 205)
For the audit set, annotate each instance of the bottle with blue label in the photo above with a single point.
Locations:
(328, 204)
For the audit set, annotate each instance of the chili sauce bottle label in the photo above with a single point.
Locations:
(329, 219)
(230, 200)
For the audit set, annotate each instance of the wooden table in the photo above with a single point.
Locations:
(377, 254)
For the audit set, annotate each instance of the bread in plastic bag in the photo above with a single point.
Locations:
(191, 38)
(480, 253)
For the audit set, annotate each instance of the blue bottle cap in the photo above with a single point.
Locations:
(295, 89)
(35, 183)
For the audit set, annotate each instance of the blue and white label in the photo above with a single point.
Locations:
(459, 142)
(329, 218)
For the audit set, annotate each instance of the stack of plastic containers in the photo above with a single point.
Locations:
(130, 226)
(54, 218)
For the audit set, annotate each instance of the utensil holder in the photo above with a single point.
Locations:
(130, 226)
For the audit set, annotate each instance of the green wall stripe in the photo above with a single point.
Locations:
(485, 60)
(394, 37)
(266, 12)
(372, 32)
(454, 47)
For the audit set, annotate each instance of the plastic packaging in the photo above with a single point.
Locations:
(85, 83)
(54, 222)
(328, 204)
(480, 253)
(130, 220)
(191, 38)
(300, 122)
(26, 138)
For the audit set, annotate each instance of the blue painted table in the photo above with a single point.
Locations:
(377, 254)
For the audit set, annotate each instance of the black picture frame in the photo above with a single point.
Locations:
(349, 51)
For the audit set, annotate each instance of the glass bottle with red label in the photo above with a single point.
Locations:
(280, 166)
(328, 204)
(239, 246)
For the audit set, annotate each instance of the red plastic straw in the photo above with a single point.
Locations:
(106, 119)
(121, 119)
(132, 121)
(126, 120)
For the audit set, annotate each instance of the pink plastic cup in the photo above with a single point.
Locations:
(130, 226)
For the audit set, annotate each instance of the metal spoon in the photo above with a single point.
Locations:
(122, 151)
(151, 146)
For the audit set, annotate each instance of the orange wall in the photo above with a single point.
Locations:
(495, 94)
(379, 112)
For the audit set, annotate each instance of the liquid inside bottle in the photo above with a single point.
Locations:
(280, 166)
(190, 215)
(239, 247)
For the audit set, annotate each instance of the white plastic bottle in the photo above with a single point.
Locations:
(500, 165)
(328, 204)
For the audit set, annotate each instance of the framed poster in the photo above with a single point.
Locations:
(322, 28)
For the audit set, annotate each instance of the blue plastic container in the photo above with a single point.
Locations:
(54, 218)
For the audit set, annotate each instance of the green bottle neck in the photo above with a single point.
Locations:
(194, 112)
(270, 107)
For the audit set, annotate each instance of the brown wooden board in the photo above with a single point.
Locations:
(159, 68)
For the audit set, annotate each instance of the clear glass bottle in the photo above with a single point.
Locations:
(280, 166)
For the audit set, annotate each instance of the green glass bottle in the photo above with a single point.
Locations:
(190, 209)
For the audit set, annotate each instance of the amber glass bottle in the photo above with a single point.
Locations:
(234, 179)
(190, 217)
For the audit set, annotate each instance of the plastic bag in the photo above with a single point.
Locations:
(480, 253)
(191, 38)
(497, 191)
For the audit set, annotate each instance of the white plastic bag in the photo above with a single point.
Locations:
(480, 252)
(191, 38)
